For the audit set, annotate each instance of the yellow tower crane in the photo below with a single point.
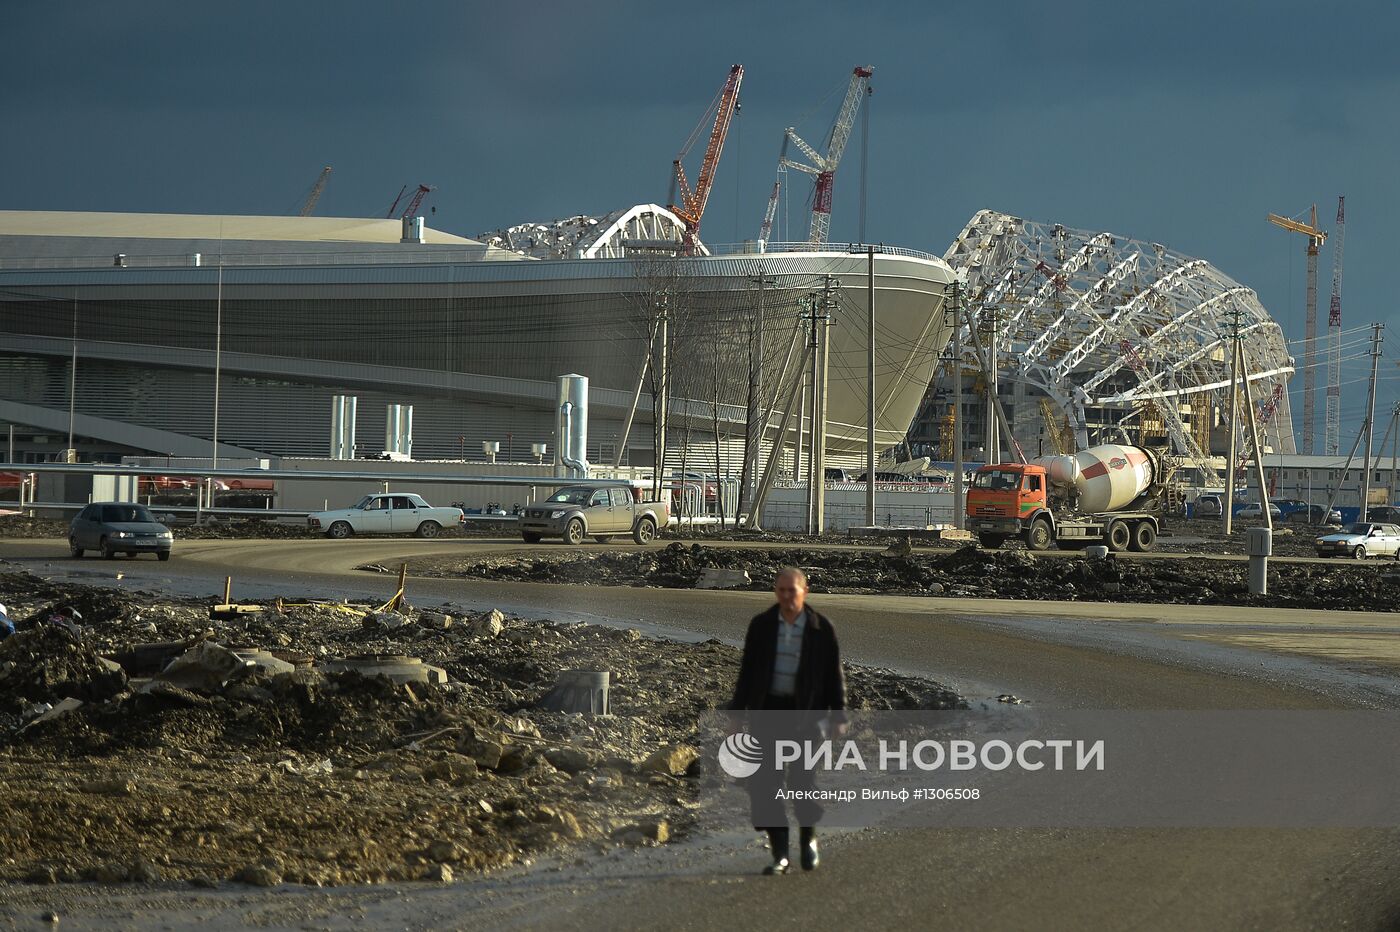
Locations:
(1315, 240)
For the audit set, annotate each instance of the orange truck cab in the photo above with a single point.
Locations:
(1004, 499)
(1008, 500)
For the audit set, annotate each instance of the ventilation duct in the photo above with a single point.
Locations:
(398, 432)
(571, 428)
(343, 427)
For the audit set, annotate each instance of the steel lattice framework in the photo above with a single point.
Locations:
(1126, 329)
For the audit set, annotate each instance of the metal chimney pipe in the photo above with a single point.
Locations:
(571, 427)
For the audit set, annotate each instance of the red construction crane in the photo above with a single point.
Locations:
(417, 200)
(689, 205)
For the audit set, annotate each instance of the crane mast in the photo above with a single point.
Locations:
(1333, 440)
(1315, 239)
(687, 204)
(824, 166)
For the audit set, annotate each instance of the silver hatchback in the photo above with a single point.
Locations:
(111, 528)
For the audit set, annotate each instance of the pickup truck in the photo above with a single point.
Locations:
(386, 513)
(578, 511)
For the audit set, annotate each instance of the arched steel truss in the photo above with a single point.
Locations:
(1098, 321)
(643, 228)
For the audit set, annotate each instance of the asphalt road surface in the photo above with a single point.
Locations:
(1054, 655)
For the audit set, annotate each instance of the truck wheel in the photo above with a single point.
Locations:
(645, 531)
(1144, 536)
(991, 541)
(529, 538)
(1119, 537)
(339, 530)
(429, 529)
(573, 533)
(1039, 537)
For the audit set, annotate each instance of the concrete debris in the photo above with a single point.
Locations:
(438, 873)
(435, 621)
(673, 760)
(714, 578)
(263, 661)
(258, 875)
(385, 621)
(397, 668)
(583, 691)
(488, 625)
(204, 668)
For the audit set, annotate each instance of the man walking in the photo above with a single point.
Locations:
(790, 674)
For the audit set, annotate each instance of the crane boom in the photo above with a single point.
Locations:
(1334, 338)
(310, 203)
(766, 230)
(689, 205)
(824, 166)
(412, 209)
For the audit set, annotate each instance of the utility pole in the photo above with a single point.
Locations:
(870, 387)
(661, 398)
(70, 455)
(218, 359)
(756, 422)
(1394, 448)
(990, 380)
(958, 468)
(1234, 414)
(1254, 439)
(1370, 419)
(820, 319)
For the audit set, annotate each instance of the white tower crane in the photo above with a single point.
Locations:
(824, 166)
(1333, 439)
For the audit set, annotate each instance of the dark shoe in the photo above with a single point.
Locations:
(808, 845)
(779, 866)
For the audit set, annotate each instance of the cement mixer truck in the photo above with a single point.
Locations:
(1105, 495)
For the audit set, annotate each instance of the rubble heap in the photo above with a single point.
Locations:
(155, 742)
(969, 572)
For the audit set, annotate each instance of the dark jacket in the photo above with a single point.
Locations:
(820, 683)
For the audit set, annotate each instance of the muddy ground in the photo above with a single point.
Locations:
(309, 776)
(1180, 535)
(968, 572)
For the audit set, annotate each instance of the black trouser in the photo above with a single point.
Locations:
(765, 806)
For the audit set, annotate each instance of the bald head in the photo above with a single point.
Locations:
(791, 590)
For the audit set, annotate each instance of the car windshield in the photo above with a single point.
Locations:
(1359, 529)
(573, 496)
(363, 503)
(126, 514)
(996, 479)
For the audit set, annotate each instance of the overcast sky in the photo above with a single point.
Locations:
(1182, 123)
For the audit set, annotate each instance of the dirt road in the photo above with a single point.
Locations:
(1069, 655)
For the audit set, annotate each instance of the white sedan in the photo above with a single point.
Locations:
(1360, 541)
(386, 513)
(1252, 510)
